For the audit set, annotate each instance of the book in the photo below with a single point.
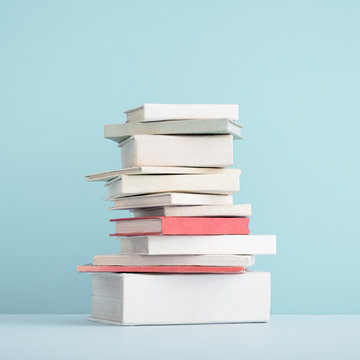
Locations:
(144, 299)
(202, 245)
(166, 225)
(205, 210)
(152, 170)
(126, 185)
(169, 199)
(173, 260)
(158, 112)
(119, 132)
(183, 269)
(168, 150)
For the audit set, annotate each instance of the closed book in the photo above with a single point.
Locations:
(126, 185)
(159, 112)
(164, 150)
(174, 260)
(151, 299)
(205, 210)
(169, 199)
(167, 225)
(152, 170)
(119, 132)
(171, 269)
(202, 245)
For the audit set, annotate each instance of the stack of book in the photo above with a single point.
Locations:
(185, 252)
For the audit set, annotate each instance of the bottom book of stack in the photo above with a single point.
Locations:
(140, 299)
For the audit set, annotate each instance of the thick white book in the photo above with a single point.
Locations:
(158, 112)
(174, 260)
(126, 185)
(199, 245)
(119, 132)
(168, 150)
(160, 170)
(169, 199)
(188, 211)
(155, 299)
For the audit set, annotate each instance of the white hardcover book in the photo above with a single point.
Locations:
(158, 112)
(206, 210)
(199, 245)
(126, 185)
(154, 299)
(166, 150)
(119, 132)
(160, 170)
(174, 260)
(169, 199)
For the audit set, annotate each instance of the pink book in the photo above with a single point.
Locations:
(172, 225)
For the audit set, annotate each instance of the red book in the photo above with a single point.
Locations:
(161, 269)
(171, 225)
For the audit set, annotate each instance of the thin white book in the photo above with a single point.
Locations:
(168, 150)
(173, 260)
(154, 299)
(199, 245)
(126, 185)
(188, 211)
(169, 199)
(159, 112)
(159, 170)
(119, 132)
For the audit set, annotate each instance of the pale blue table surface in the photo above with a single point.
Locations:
(285, 337)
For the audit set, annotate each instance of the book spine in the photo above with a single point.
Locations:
(204, 226)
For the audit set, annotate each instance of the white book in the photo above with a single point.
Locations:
(168, 150)
(119, 132)
(160, 170)
(158, 112)
(174, 260)
(206, 210)
(199, 245)
(170, 199)
(151, 299)
(126, 185)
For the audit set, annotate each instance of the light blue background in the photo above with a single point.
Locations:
(69, 67)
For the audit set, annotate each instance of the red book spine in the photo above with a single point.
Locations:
(204, 226)
(161, 269)
(171, 225)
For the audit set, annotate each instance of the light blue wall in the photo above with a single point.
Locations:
(68, 67)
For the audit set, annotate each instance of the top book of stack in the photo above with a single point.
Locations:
(177, 119)
(160, 112)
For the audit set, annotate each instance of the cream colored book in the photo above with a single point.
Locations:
(174, 260)
(159, 112)
(159, 170)
(169, 199)
(166, 150)
(188, 211)
(127, 185)
(119, 132)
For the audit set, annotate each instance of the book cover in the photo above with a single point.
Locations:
(168, 225)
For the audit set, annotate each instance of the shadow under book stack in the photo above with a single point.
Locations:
(185, 252)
